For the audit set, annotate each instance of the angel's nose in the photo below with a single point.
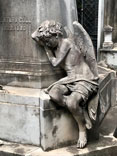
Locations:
(33, 35)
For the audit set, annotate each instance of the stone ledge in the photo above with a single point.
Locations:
(19, 95)
(107, 145)
(114, 50)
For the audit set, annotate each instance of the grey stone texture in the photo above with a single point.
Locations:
(19, 115)
(110, 57)
(22, 62)
(58, 128)
(29, 116)
(106, 146)
(108, 44)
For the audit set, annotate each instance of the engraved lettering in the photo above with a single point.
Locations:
(15, 23)
(24, 28)
(20, 19)
(14, 28)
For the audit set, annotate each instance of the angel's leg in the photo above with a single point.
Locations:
(73, 105)
(87, 119)
(57, 94)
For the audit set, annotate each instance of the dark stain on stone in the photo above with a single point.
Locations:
(54, 131)
(41, 136)
(45, 136)
(73, 149)
(50, 114)
(65, 144)
(36, 112)
(15, 145)
(19, 150)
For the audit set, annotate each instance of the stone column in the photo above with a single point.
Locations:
(110, 16)
(22, 62)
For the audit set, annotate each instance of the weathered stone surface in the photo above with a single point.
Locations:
(19, 123)
(106, 146)
(26, 113)
(22, 62)
(58, 128)
(19, 115)
(13, 149)
(19, 96)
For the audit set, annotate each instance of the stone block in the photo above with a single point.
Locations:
(19, 123)
(19, 115)
(29, 116)
(57, 126)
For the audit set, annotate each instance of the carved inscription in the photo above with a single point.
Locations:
(15, 24)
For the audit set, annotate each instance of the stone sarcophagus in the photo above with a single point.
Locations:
(22, 62)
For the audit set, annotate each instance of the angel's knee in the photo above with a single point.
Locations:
(54, 93)
(73, 103)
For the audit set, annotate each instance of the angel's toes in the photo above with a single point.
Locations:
(81, 143)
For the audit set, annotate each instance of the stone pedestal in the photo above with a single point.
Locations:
(29, 116)
(108, 44)
(58, 128)
(22, 62)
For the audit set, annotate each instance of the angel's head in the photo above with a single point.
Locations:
(48, 33)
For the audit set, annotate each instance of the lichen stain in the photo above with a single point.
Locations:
(54, 131)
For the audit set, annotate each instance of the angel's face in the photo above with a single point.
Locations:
(52, 42)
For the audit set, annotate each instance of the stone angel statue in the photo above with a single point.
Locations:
(75, 54)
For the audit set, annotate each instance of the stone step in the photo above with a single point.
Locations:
(19, 95)
(106, 146)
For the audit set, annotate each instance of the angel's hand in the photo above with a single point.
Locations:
(49, 54)
(51, 58)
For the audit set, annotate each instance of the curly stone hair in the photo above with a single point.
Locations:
(48, 29)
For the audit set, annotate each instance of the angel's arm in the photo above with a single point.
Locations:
(62, 52)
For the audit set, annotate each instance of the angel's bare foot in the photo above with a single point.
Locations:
(82, 141)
